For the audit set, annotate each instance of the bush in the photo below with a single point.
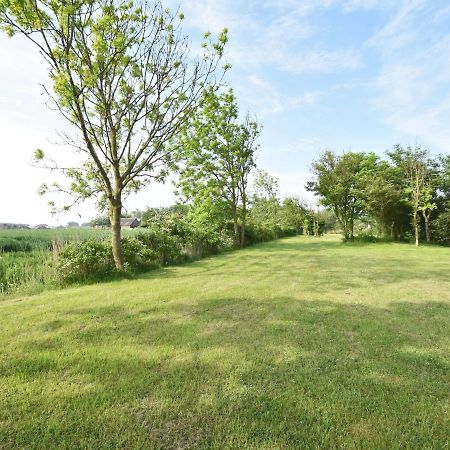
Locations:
(440, 229)
(93, 260)
(165, 247)
(256, 234)
(138, 257)
(204, 242)
(89, 260)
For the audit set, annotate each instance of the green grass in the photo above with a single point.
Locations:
(299, 343)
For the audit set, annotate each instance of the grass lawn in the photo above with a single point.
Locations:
(300, 343)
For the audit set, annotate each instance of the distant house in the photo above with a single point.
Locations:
(130, 222)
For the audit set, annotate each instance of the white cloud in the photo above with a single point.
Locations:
(276, 40)
(414, 80)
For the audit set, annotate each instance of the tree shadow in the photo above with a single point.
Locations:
(232, 373)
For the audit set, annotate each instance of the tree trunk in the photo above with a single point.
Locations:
(115, 211)
(344, 226)
(427, 226)
(244, 220)
(235, 225)
(416, 229)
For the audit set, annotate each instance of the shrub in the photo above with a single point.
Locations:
(93, 260)
(440, 229)
(167, 248)
(85, 261)
(255, 234)
(202, 242)
(138, 256)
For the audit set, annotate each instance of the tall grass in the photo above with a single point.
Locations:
(28, 258)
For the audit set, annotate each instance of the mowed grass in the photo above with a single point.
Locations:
(299, 343)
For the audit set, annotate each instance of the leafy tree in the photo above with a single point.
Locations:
(266, 205)
(216, 154)
(123, 76)
(336, 183)
(420, 187)
(265, 186)
(383, 198)
(101, 221)
(292, 214)
(443, 184)
(441, 229)
(72, 225)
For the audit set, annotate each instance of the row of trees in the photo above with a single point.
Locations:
(409, 192)
(268, 217)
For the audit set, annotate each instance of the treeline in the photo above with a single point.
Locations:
(197, 229)
(405, 196)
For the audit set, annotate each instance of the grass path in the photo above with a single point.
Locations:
(299, 343)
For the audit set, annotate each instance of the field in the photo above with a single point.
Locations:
(27, 257)
(298, 343)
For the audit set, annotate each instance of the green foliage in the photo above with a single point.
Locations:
(265, 186)
(179, 233)
(215, 155)
(167, 248)
(101, 221)
(93, 260)
(419, 184)
(336, 180)
(86, 261)
(440, 229)
(271, 218)
(139, 256)
(399, 198)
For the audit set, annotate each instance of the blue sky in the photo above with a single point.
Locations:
(357, 75)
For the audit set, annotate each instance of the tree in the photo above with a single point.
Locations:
(336, 183)
(295, 215)
(419, 185)
(72, 224)
(123, 76)
(216, 154)
(383, 199)
(266, 204)
(100, 222)
(265, 186)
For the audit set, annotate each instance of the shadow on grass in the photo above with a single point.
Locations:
(232, 373)
(309, 264)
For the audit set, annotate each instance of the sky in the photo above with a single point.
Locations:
(346, 75)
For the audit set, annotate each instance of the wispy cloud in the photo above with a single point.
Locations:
(414, 79)
(279, 39)
(261, 96)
